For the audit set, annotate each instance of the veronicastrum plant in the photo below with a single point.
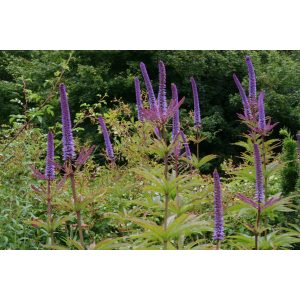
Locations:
(167, 214)
(260, 164)
(150, 192)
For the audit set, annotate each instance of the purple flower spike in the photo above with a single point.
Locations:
(298, 142)
(261, 112)
(197, 116)
(245, 102)
(50, 165)
(68, 141)
(139, 103)
(186, 145)
(162, 99)
(109, 149)
(218, 208)
(151, 96)
(252, 79)
(259, 185)
(159, 120)
(176, 121)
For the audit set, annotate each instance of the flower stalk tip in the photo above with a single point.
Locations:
(68, 141)
(149, 88)
(218, 208)
(197, 115)
(176, 120)
(261, 112)
(252, 79)
(108, 145)
(139, 103)
(162, 98)
(50, 165)
(259, 182)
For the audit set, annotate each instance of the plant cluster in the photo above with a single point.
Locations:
(152, 192)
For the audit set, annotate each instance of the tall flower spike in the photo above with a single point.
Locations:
(218, 208)
(245, 102)
(50, 165)
(162, 99)
(151, 96)
(298, 142)
(197, 116)
(186, 145)
(68, 141)
(139, 103)
(261, 112)
(252, 79)
(108, 146)
(259, 185)
(176, 121)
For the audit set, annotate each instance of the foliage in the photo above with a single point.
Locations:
(148, 199)
(94, 75)
(290, 172)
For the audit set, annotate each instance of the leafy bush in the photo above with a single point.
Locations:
(150, 188)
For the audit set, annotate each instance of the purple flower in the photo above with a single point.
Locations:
(109, 149)
(186, 145)
(151, 96)
(176, 121)
(261, 112)
(197, 116)
(218, 208)
(252, 79)
(259, 185)
(159, 120)
(50, 165)
(68, 141)
(245, 102)
(139, 103)
(162, 99)
(298, 142)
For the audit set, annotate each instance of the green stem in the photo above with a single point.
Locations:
(49, 213)
(257, 227)
(218, 245)
(177, 174)
(198, 143)
(166, 170)
(78, 212)
(265, 175)
(265, 166)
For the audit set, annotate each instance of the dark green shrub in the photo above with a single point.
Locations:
(290, 172)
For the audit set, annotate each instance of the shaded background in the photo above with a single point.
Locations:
(90, 74)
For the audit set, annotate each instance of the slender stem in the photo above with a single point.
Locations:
(265, 174)
(218, 245)
(257, 227)
(78, 212)
(198, 143)
(166, 219)
(177, 174)
(265, 166)
(166, 170)
(49, 212)
(176, 167)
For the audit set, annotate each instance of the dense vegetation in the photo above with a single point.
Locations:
(94, 75)
(147, 183)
